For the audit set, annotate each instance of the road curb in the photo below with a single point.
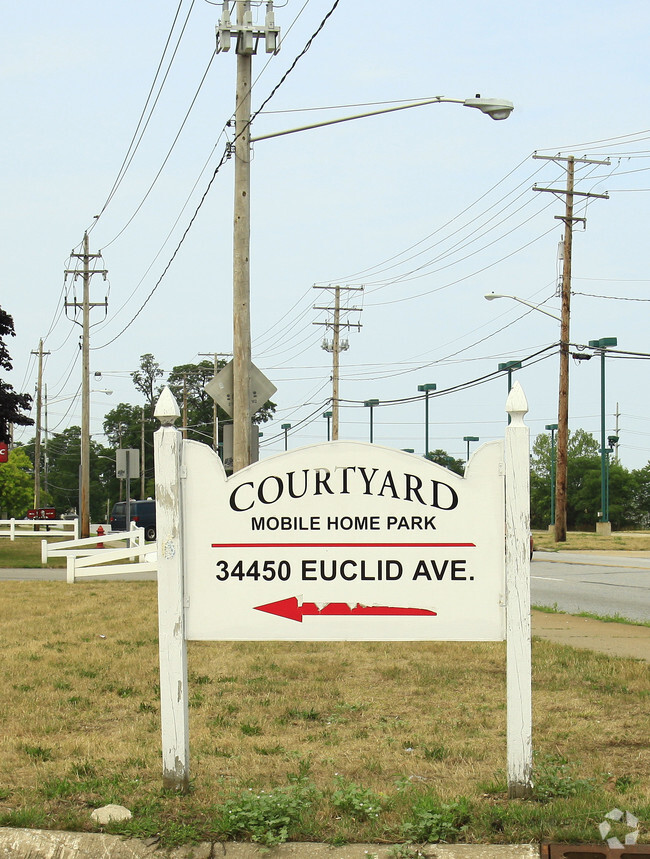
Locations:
(50, 844)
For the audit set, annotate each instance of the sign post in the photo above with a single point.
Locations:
(174, 707)
(342, 541)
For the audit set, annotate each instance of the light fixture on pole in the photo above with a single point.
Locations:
(286, 428)
(605, 526)
(425, 389)
(328, 415)
(495, 108)
(371, 405)
(468, 439)
(552, 428)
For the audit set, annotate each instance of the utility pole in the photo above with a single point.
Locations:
(85, 305)
(37, 441)
(247, 36)
(563, 388)
(336, 346)
(142, 476)
(46, 464)
(184, 406)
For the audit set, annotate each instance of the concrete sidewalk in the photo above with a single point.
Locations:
(44, 844)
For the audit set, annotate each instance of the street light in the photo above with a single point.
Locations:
(286, 428)
(509, 366)
(469, 438)
(371, 405)
(328, 415)
(497, 109)
(552, 428)
(425, 390)
(606, 527)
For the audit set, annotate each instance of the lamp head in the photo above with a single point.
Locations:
(496, 108)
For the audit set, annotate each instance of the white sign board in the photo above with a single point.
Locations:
(344, 541)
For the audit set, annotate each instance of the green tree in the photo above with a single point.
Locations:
(16, 484)
(64, 455)
(12, 405)
(583, 485)
(443, 458)
(145, 380)
(123, 427)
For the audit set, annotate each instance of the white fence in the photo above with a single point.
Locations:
(13, 528)
(84, 559)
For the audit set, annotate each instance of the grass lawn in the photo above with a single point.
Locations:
(313, 741)
(577, 541)
(25, 552)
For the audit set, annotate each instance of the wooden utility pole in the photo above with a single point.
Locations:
(142, 475)
(247, 35)
(37, 440)
(335, 346)
(85, 305)
(563, 388)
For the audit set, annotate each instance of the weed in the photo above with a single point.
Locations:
(269, 750)
(145, 707)
(433, 821)
(554, 778)
(269, 818)
(435, 753)
(83, 770)
(250, 729)
(361, 803)
(38, 753)
(405, 851)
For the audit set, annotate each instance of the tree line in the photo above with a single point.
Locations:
(124, 426)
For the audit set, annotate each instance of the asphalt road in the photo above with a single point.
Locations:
(602, 584)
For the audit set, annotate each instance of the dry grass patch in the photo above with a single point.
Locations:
(347, 723)
(589, 541)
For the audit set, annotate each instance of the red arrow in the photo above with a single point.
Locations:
(290, 609)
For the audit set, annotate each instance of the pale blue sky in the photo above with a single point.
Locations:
(329, 204)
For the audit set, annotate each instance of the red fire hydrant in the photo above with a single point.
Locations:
(100, 533)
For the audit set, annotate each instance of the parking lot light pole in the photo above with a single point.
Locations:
(286, 428)
(371, 405)
(425, 390)
(552, 428)
(328, 415)
(469, 438)
(509, 366)
(602, 345)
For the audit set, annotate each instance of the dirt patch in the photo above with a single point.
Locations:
(615, 639)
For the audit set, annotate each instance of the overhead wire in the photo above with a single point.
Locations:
(133, 145)
(219, 165)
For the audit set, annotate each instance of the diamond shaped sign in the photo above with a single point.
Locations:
(220, 388)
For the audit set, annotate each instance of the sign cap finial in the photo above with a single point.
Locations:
(167, 411)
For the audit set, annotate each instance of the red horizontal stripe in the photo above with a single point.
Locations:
(341, 545)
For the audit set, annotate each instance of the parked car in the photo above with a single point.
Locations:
(143, 513)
